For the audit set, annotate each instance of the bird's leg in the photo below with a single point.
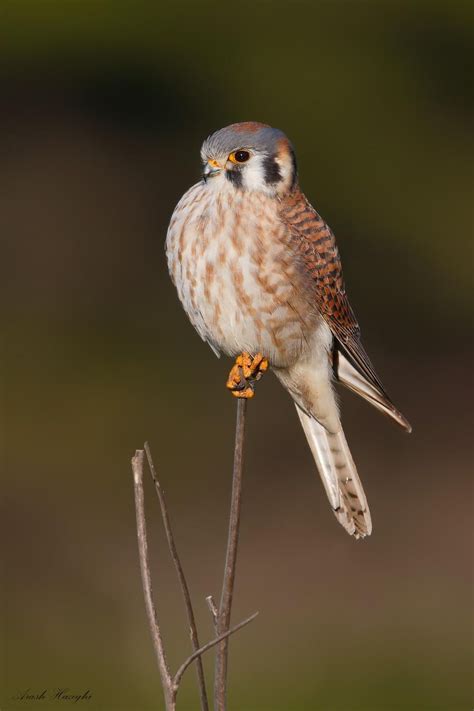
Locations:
(245, 373)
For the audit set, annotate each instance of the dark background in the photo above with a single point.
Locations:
(103, 110)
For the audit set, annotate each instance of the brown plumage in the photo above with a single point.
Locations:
(258, 270)
(315, 241)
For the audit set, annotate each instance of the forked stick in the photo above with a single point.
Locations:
(169, 683)
(182, 580)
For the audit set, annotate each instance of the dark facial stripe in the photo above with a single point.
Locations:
(234, 176)
(295, 168)
(272, 170)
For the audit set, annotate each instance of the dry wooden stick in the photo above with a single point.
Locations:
(182, 581)
(169, 683)
(222, 615)
(166, 679)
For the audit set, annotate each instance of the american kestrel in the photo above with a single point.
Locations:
(258, 273)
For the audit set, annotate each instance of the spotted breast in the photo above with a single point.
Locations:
(237, 275)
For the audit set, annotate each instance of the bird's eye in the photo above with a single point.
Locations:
(239, 156)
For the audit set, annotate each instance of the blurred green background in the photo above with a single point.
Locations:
(103, 110)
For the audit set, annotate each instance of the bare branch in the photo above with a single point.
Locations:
(182, 581)
(221, 615)
(225, 607)
(209, 645)
(166, 680)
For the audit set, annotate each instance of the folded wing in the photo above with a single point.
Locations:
(315, 243)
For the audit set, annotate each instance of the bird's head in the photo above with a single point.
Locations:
(250, 156)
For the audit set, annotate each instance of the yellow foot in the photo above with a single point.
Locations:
(245, 373)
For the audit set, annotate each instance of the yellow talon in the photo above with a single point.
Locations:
(244, 374)
(247, 393)
(234, 378)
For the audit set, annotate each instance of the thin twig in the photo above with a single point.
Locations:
(166, 679)
(209, 645)
(170, 684)
(182, 581)
(225, 607)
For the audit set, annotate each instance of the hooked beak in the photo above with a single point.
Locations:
(211, 169)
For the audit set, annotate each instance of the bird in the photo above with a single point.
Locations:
(258, 273)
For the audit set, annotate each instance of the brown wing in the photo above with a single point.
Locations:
(315, 242)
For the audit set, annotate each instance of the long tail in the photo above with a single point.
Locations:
(339, 475)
